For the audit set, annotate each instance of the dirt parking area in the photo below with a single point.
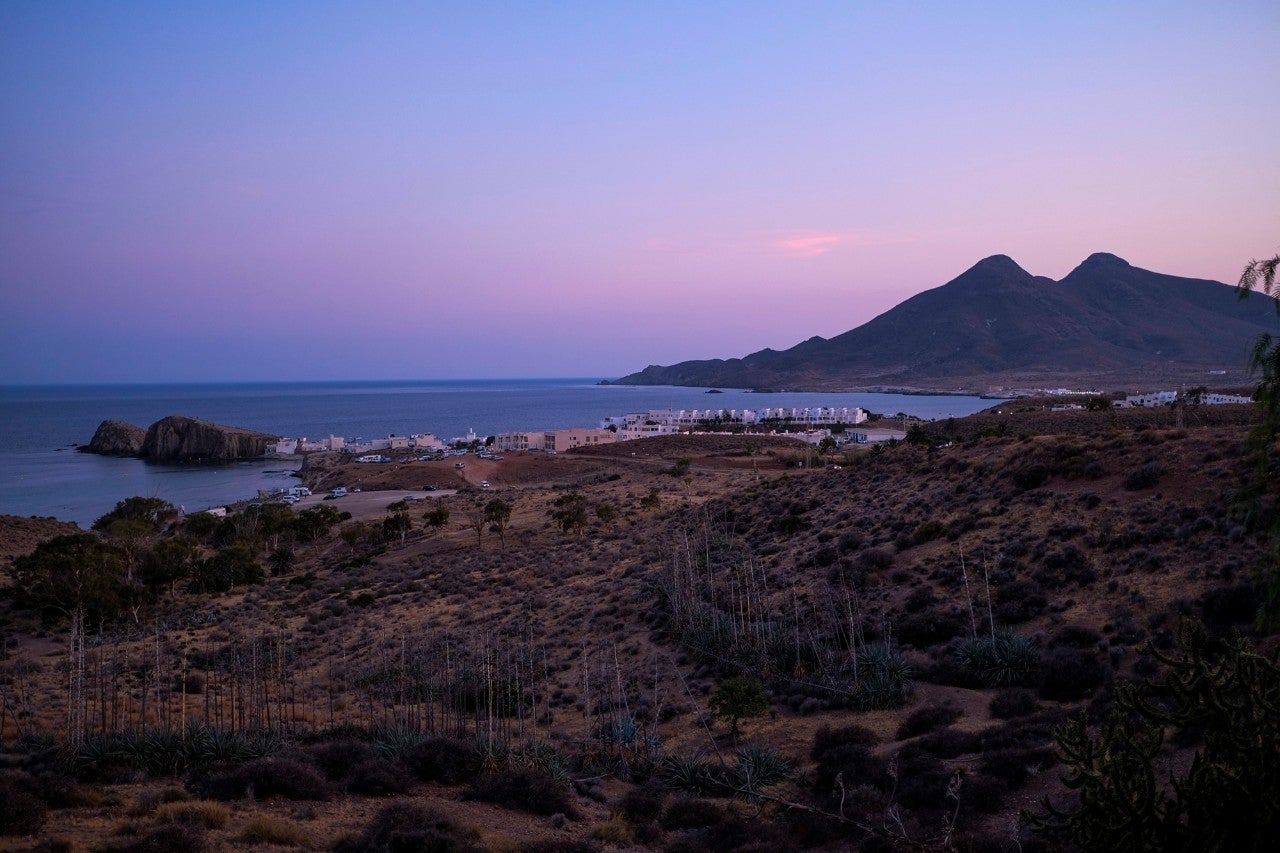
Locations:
(365, 505)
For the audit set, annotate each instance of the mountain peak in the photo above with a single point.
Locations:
(1103, 260)
(998, 264)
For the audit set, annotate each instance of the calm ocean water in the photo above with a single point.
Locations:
(41, 473)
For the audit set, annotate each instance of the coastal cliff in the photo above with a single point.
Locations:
(116, 438)
(183, 439)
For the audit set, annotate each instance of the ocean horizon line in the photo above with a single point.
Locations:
(208, 383)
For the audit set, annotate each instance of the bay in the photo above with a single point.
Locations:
(42, 474)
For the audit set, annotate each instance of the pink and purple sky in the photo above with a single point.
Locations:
(300, 190)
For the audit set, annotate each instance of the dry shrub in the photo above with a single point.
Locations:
(1070, 674)
(443, 759)
(691, 813)
(613, 831)
(524, 789)
(268, 829)
(740, 836)
(376, 777)
(186, 837)
(641, 804)
(1013, 702)
(336, 758)
(826, 737)
(408, 827)
(927, 719)
(559, 846)
(20, 812)
(265, 777)
(949, 743)
(204, 813)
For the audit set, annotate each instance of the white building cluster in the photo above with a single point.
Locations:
(290, 446)
(1167, 398)
(793, 415)
(806, 423)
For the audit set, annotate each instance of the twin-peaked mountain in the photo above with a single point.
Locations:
(1107, 324)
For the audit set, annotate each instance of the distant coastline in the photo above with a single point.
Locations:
(39, 423)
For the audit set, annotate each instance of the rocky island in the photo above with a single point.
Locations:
(179, 438)
(115, 438)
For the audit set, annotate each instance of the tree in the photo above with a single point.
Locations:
(281, 560)
(132, 536)
(397, 523)
(77, 577)
(1098, 403)
(1264, 361)
(1220, 692)
(570, 512)
(497, 513)
(234, 565)
(436, 518)
(315, 522)
(169, 561)
(681, 471)
(738, 697)
(473, 518)
(153, 511)
(1264, 358)
(606, 512)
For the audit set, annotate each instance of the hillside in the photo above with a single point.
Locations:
(1107, 325)
(496, 678)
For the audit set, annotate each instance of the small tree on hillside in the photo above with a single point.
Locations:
(436, 518)
(473, 518)
(570, 512)
(739, 697)
(497, 513)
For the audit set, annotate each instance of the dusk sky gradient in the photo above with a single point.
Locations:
(287, 191)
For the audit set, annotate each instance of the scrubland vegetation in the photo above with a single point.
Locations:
(1023, 631)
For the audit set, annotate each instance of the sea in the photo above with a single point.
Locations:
(42, 474)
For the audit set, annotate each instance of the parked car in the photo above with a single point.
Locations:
(484, 484)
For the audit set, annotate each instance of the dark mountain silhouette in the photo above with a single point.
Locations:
(1107, 324)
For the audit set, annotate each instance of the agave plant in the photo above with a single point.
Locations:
(759, 767)
(884, 679)
(689, 775)
(1006, 660)
(395, 740)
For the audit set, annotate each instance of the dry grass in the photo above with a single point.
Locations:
(205, 813)
(269, 829)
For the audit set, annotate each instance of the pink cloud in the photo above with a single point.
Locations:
(809, 245)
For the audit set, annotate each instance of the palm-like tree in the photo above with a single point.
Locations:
(1264, 359)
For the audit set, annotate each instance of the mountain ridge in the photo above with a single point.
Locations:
(996, 327)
